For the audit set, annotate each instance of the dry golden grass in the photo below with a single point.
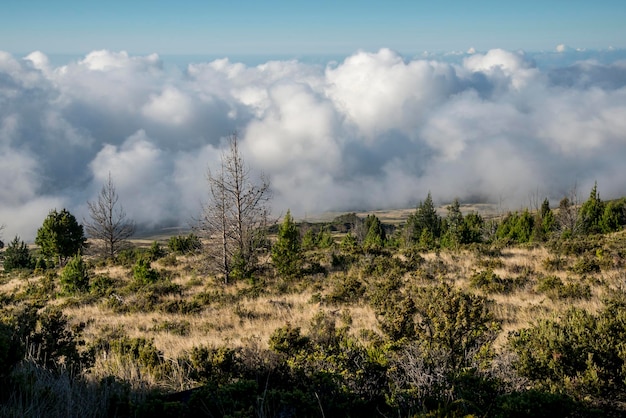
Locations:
(249, 319)
(217, 325)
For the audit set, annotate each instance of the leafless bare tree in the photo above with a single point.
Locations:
(567, 215)
(109, 225)
(2, 226)
(236, 213)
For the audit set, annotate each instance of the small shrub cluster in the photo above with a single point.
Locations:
(184, 244)
(17, 256)
(554, 288)
(143, 274)
(75, 276)
(348, 289)
(578, 353)
(489, 282)
(586, 265)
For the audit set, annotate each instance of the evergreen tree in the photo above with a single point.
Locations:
(544, 223)
(286, 253)
(349, 243)
(325, 239)
(473, 225)
(614, 216)
(516, 227)
(309, 240)
(17, 255)
(60, 236)
(590, 213)
(454, 226)
(75, 276)
(376, 236)
(424, 218)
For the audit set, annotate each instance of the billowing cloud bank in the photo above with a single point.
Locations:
(373, 131)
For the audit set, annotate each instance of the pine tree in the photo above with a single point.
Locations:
(286, 253)
(424, 218)
(590, 213)
(455, 226)
(60, 236)
(75, 276)
(17, 255)
(614, 216)
(376, 237)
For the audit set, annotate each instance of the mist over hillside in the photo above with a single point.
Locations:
(375, 130)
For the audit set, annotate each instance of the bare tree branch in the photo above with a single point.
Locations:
(108, 223)
(236, 212)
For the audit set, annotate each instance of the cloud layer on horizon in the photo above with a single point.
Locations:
(373, 131)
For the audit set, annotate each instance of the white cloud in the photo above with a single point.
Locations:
(379, 92)
(170, 107)
(375, 130)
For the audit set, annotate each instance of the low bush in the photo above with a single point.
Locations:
(586, 265)
(75, 276)
(555, 289)
(489, 282)
(348, 288)
(143, 274)
(184, 244)
(155, 251)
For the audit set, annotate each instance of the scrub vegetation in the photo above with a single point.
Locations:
(440, 313)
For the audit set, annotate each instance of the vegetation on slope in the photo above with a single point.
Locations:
(521, 315)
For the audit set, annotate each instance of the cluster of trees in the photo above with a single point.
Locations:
(594, 216)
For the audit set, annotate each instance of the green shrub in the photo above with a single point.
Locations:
(554, 288)
(184, 244)
(101, 285)
(579, 353)
(136, 351)
(75, 276)
(456, 322)
(586, 265)
(181, 328)
(127, 257)
(549, 284)
(348, 289)
(180, 306)
(11, 345)
(56, 343)
(540, 404)
(208, 364)
(169, 260)
(341, 261)
(287, 340)
(488, 282)
(575, 291)
(17, 256)
(394, 309)
(556, 263)
(490, 263)
(155, 251)
(143, 274)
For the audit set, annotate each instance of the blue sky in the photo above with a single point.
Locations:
(295, 27)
